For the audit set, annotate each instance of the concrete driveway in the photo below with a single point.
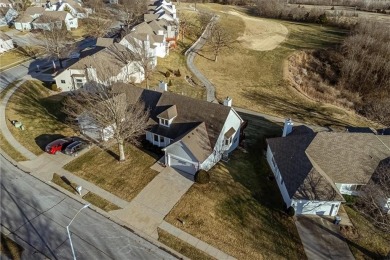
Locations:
(322, 239)
(147, 211)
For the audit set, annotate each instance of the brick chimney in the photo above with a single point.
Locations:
(288, 127)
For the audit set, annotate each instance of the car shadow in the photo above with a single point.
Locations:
(45, 139)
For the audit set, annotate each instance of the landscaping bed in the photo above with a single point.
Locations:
(123, 179)
(39, 110)
(241, 210)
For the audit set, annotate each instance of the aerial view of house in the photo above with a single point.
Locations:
(161, 129)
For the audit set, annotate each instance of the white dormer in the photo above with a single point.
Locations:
(228, 137)
(167, 116)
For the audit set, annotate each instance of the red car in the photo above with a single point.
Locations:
(58, 145)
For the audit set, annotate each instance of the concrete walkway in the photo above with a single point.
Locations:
(148, 209)
(321, 239)
(193, 241)
(4, 129)
(191, 54)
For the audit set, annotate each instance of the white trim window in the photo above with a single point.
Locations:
(164, 122)
(228, 141)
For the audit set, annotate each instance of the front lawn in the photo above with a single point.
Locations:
(39, 109)
(366, 241)
(11, 57)
(241, 211)
(123, 179)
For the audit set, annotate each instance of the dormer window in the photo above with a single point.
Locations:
(167, 116)
(164, 122)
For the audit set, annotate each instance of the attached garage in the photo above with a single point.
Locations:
(182, 164)
(305, 207)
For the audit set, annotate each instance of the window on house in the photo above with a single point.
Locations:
(164, 122)
(156, 138)
(62, 81)
(228, 141)
(273, 161)
(79, 80)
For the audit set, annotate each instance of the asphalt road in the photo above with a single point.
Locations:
(37, 215)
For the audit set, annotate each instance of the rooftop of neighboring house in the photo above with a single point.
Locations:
(349, 158)
(24, 18)
(4, 37)
(5, 2)
(48, 16)
(33, 10)
(189, 115)
(104, 42)
(106, 61)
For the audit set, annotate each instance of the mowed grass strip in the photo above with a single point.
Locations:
(9, 248)
(123, 179)
(39, 109)
(100, 202)
(182, 247)
(10, 150)
(255, 79)
(241, 211)
(369, 242)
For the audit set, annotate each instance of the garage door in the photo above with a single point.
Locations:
(182, 165)
(328, 208)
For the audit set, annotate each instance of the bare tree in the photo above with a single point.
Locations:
(375, 194)
(57, 42)
(220, 39)
(132, 11)
(22, 5)
(141, 53)
(98, 24)
(104, 108)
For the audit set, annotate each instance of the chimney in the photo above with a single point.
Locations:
(288, 126)
(162, 86)
(227, 102)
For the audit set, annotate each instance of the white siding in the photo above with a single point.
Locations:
(88, 128)
(22, 26)
(348, 189)
(278, 177)
(64, 80)
(180, 151)
(232, 120)
(6, 45)
(309, 207)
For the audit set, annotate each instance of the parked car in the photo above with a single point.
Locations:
(76, 147)
(58, 145)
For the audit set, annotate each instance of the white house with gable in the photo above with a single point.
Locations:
(6, 42)
(313, 170)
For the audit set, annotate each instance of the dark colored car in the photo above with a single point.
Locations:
(75, 147)
(58, 145)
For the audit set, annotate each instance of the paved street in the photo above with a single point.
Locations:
(37, 216)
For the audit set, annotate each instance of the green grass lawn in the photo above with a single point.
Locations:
(367, 242)
(181, 246)
(256, 80)
(123, 179)
(10, 249)
(241, 211)
(39, 109)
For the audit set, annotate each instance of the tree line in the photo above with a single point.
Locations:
(365, 5)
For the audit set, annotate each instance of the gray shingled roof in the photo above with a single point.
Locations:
(337, 157)
(4, 37)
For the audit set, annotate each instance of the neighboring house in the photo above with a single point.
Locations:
(194, 134)
(24, 22)
(313, 170)
(75, 8)
(156, 39)
(5, 3)
(6, 42)
(51, 19)
(7, 15)
(141, 43)
(102, 66)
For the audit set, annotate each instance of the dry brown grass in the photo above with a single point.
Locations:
(11, 57)
(181, 246)
(39, 109)
(240, 210)
(255, 80)
(10, 249)
(368, 242)
(123, 179)
(100, 202)
(10, 150)
(177, 61)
